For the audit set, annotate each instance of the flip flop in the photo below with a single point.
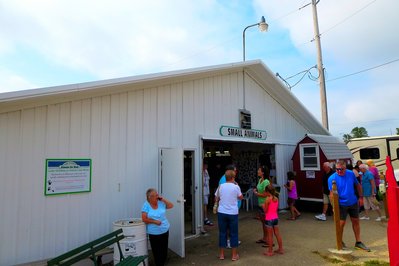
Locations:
(260, 241)
(235, 258)
(266, 245)
(221, 257)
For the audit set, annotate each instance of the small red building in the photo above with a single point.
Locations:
(309, 155)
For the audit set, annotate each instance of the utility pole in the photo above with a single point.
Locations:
(322, 82)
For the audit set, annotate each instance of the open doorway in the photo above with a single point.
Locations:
(189, 194)
(247, 157)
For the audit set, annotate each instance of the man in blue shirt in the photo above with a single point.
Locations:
(346, 184)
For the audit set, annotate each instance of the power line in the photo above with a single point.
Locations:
(304, 72)
(345, 19)
(340, 22)
(364, 70)
(288, 14)
(368, 122)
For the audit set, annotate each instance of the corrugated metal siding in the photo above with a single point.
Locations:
(121, 133)
(268, 114)
(333, 148)
(283, 165)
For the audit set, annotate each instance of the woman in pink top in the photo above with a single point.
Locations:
(292, 196)
(271, 221)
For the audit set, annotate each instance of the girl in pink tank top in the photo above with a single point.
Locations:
(271, 221)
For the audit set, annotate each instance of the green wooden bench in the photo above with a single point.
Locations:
(93, 248)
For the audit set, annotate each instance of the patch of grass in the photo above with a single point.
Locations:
(368, 263)
(376, 263)
(326, 258)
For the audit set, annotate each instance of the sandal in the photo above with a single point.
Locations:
(260, 241)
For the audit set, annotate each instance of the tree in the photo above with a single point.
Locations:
(359, 132)
(397, 131)
(346, 138)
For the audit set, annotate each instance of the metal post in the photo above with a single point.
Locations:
(383, 193)
(243, 59)
(322, 82)
(337, 219)
(243, 39)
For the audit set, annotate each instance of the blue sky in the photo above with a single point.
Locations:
(46, 43)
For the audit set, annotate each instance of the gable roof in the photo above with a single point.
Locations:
(332, 147)
(18, 100)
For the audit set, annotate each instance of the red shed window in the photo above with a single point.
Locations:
(309, 154)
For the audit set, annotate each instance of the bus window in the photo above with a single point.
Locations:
(369, 153)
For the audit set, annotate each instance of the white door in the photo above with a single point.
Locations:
(171, 186)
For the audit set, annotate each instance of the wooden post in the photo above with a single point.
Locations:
(384, 195)
(337, 219)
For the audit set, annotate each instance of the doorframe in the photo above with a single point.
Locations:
(194, 196)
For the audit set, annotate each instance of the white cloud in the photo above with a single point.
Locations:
(12, 82)
(111, 38)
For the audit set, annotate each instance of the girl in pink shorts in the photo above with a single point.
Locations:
(271, 221)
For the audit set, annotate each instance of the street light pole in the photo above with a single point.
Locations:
(322, 82)
(263, 26)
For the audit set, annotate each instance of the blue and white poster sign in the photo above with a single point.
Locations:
(64, 176)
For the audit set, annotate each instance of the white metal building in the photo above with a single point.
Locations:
(139, 132)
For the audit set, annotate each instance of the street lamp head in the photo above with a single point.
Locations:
(263, 26)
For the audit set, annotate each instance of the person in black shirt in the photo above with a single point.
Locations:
(326, 192)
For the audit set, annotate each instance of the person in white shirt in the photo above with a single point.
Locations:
(227, 195)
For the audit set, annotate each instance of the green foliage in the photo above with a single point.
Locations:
(346, 138)
(397, 131)
(359, 132)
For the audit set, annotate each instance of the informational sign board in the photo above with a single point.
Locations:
(65, 176)
(236, 132)
(310, 174)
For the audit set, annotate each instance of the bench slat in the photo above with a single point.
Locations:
(132, 261)
(87, 250)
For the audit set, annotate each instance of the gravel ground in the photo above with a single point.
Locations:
(306, 242)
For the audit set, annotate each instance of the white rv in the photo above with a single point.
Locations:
(376, 148)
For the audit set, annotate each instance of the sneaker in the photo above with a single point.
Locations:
(383, 217)
(207, 222)
(360, 245)
(239, 242)
(343, 245)
(321, 217)
(378, 219)
(365, 218)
